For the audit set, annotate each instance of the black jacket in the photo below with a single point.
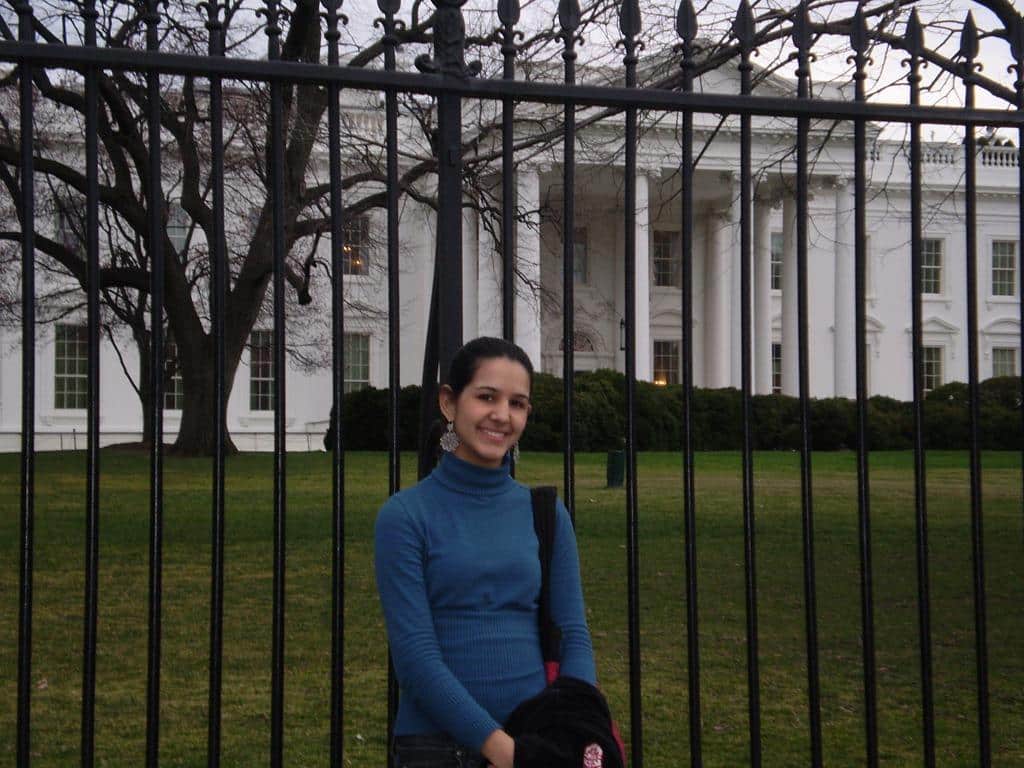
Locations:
(555, 727)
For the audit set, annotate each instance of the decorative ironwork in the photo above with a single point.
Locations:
(449, 43)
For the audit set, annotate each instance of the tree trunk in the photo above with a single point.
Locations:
(196, 433)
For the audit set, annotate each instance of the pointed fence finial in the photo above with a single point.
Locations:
(744, 26)
(859, 31)
(569, 16)
(969, 39)
(686, 22)
(629, 18)
(913, 38)
(508, 12)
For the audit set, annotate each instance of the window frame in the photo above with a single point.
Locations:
(261, 371)
(79, 393)
(940, 351)
(356, 252)
(673, 373)
(1014, 269)
(1014, 363)
(174, 390)
(775, 265)
(351, 383)
(580, 245)
(659, 239)
(776, 367)
(938, 268)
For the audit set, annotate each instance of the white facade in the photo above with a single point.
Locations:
(599, 291)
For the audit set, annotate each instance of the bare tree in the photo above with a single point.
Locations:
(124, 165)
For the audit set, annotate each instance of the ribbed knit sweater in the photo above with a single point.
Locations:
(459, 577)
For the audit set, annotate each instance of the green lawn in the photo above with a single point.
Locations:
(120, 739)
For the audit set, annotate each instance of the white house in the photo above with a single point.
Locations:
(599, 285)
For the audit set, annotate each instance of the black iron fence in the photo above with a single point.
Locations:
(37, 49)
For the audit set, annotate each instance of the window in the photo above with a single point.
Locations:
(177, 227)
(931, 266)
(931, 367)
(777, 247)
(1004, 361)
(666, 362)
(1004, 268)
(71, 365)
(261, 371)
(580, 265)
(174, 389)
(63, 228)
(355, 254)
(357, 361)
(776, 369)
(667, 259)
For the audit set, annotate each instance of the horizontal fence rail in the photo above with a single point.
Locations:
(220, 297)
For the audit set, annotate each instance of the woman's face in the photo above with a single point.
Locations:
(490, 412)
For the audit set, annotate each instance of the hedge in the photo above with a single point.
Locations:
(599, 418)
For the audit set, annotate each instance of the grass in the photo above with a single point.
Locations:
(121, 672)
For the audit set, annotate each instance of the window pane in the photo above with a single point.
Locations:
(579, 257)
(776, 260)
(1004, 268)
(931, 364)
(666, 362)
(261, 371)
(355, 255)
(931, 266)
(666, 259)
(357, 361)
(1004, 361)
(71, 365)
(174, 390)
(776, 369)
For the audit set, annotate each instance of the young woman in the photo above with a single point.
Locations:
(459, 576)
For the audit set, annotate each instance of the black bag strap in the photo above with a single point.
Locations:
(543, 498)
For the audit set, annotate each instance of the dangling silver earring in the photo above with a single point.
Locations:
(515, 453)
(450, 440)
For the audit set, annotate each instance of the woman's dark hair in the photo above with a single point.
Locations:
(472, 353)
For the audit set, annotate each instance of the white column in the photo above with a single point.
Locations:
(762, 297)
(470, 256)
(642, 277)
(527, 308)
(790, 332)
(489, 277)
(717, 305)
(735, 241)
(845, 344)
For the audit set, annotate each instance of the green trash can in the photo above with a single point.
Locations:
(615, 471)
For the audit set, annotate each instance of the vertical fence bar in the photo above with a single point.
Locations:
(686, 27)
(914, 43)
(508, 14)
(389, 7)
(569, 17)
(27, 206)
(802, 40)
(1017, 45)
(629, 25)
(744, 31)
(968, 52)
(92, 460)
(449, 61)
(154, 213)
(859, 43)
(276, 176)
(391, 141)
(218, 291)
(337, 746)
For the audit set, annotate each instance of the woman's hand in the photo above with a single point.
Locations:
(499, 749)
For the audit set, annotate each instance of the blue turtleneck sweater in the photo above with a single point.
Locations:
(459, 576)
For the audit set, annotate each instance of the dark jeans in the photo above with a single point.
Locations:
(434, 751)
